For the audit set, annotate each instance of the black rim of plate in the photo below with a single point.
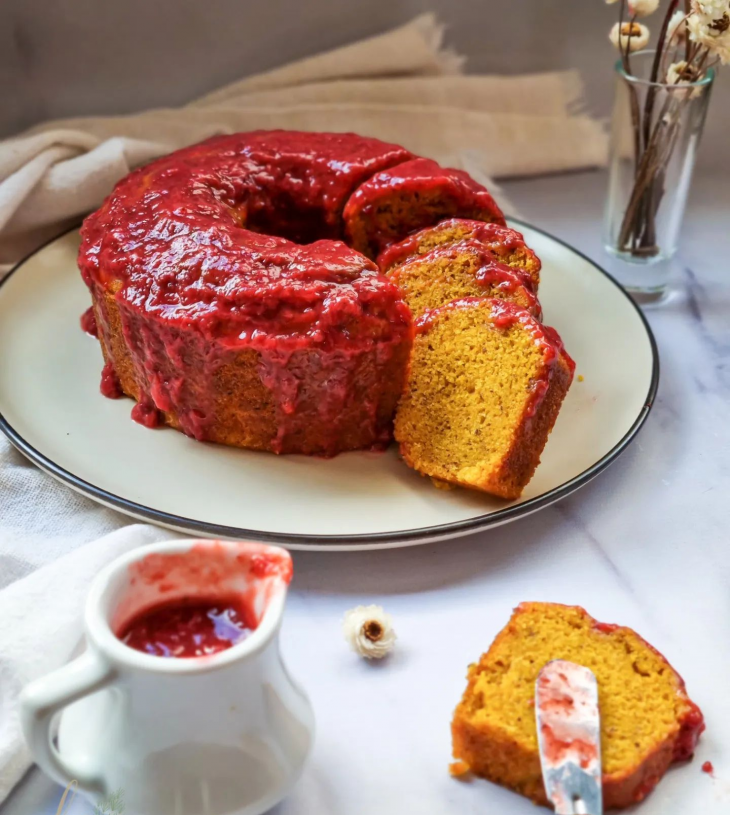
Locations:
(344, 542)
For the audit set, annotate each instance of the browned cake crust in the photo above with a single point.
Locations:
(243, 408)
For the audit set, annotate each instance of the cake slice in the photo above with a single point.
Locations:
(647, 719)
(507, 244)
(484, 388)
(408, 197)
(453, 271)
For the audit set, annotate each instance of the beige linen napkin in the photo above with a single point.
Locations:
(401, 86)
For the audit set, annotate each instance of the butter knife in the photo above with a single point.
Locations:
(569, 737)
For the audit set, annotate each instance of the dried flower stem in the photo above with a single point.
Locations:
(655, 134)
(638, 228)
(651, 94)
(633, 98)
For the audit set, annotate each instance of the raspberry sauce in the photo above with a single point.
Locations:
(189, 628)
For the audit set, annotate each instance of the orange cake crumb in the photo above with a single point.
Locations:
(458, 769)
(647, 719)
(484, 388)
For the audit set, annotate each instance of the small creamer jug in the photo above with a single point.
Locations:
(222, 732)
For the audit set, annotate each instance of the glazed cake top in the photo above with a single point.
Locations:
(183, 239)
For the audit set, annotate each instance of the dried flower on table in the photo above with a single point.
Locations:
(369, 630)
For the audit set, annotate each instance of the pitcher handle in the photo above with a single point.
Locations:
(43, 699)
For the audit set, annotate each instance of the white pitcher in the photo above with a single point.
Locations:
(226, 733)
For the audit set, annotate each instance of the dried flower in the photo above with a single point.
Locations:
(369, 630)
(717, 42)
(711, 9)
(633, 35)
(642, 8)
(676, 29)
(676, 73)
(683, 73)
(710, 20)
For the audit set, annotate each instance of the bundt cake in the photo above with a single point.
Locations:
(235, 298)
(647, 718)
(507, 244)
(453, 271)
(408, 197)
(239, 337)
(485, 385)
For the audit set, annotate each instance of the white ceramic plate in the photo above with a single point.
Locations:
(51, 409)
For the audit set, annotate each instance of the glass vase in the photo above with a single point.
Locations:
(655, 132)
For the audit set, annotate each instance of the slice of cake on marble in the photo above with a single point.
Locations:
(647, 719)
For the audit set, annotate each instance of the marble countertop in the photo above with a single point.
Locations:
(645, 544)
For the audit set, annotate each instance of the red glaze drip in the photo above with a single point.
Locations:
(88, 322)
(110, 386)
(499, 239)
(491, 273)
(146, 415)
(189, 628)
(192, 283)
(707, 767)
(422, 176)
(692, 727)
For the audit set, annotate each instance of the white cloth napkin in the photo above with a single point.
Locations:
(401, 86)
(41, 627)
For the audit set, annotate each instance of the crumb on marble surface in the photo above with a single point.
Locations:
(460, 770)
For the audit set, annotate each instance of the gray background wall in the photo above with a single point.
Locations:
(69, 57)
